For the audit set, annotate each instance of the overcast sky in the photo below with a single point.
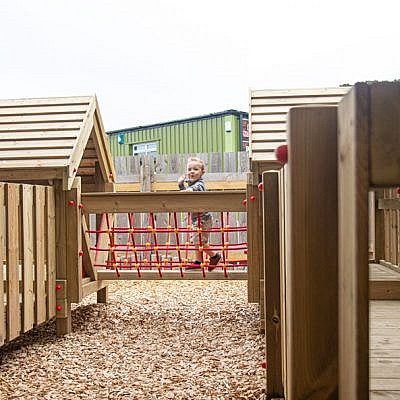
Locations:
(151, 61)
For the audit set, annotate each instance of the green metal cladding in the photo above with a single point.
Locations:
(217, 132)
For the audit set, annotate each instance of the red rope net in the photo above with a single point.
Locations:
(143, 248)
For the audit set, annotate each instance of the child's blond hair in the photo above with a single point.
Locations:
(197, 160)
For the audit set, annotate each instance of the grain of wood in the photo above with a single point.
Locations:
(153, 340)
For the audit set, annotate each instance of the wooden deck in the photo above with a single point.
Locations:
(384, 340)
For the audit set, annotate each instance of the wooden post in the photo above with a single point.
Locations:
(2, 241)
(312, 272)
(272, 284)
(101, 186)
(63, 320)
(254, 238)
(353, 244)
(379, 231)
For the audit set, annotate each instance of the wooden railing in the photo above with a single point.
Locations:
(27, 252)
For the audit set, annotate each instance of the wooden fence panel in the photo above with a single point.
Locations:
(28, 304)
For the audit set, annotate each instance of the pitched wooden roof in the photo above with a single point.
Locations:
(53, 138)
(268, 113)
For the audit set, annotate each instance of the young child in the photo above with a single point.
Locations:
(193, 178)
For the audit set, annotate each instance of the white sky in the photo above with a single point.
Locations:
(151, 61)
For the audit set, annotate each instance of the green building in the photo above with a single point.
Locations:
(225, 131)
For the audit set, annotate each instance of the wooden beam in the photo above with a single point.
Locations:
(384, 134)
(312, 260)
(272, 284)
(353, 173)
(97, 203)
(384, 290)
(172, 275)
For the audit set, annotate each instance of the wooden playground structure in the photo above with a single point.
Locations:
(323, 304)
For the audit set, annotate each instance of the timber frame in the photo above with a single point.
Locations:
(60, 142)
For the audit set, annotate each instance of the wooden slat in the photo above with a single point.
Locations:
(88, 257)
(171, 275)
(12, 250)
(28, 305)
(43, 110)
(34, 163)
(271, 93)
(254, 239)
(353, 170)
(268, 127)
(34, 119)
(63, 325)
(97, 203)
(263, 156)
(15, 143)
(40, 126)
(269, 137)
(50, 252)
(263, 118)
(266, 146)
(40, 271)
(296, 101)
(272, 283)
(312, 260)
(40, 135)
(3, 334)
(49, 101)
(35, 154)
(74, 234)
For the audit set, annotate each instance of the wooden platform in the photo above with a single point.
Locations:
(384, 350)
(217, 274)
(384, 283)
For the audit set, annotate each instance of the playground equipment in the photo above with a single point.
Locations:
(58, 172)
(315, 248)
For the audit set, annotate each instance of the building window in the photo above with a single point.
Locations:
(144, 149)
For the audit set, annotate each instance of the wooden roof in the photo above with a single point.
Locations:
(53, 138)
(268, 112)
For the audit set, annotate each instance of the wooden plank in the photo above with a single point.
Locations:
(16, 143)
(272, 284)
(87, 260)
(97, 203)
(268, 127)
(50, 252)
(384, 290)
(172, 275)
(41, 118)
(12, 251)
(384, 139)
(312, 261)
(28, 304)
(63, 325)
(3, 333)
(48, 101)
(318, 92)
(43, 110)
(353, 244)
(74, 234)
(40, 126)
(269, 137)
(40, 135)
(40, 269)
(379, 233)
(34, 164)
(36, 154)
(255, 242)
(296, 101)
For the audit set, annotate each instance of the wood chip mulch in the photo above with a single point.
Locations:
(159, 340)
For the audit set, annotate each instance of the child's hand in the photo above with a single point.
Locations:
(181, 179)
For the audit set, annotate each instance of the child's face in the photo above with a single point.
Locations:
(194, 171)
